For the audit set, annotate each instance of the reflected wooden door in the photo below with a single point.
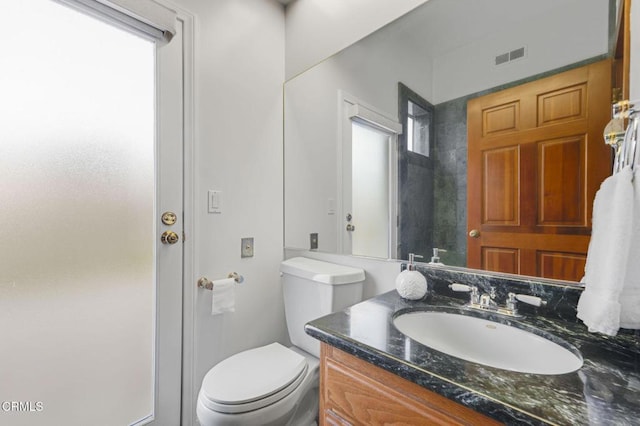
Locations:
(536, 158)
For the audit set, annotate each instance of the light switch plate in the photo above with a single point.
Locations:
(331, 206)
(214, 201)
(247, 247)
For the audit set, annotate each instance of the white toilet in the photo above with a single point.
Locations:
(272, 384)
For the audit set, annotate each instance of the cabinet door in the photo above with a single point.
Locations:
(354, 392)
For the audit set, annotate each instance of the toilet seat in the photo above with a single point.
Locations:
(253, 379)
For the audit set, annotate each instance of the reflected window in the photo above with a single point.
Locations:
(418, 128)
(418, 151)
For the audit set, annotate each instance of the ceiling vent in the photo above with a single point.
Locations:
(504, 58)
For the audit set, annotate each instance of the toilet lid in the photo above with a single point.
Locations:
(253, 378)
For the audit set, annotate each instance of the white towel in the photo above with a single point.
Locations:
(599, 305)
(630, 296)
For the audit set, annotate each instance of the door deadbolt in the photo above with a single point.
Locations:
(169, 218)
(169, 237)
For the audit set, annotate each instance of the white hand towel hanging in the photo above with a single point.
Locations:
(599, 305)
(630, 296)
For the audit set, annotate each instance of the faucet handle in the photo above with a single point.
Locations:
(528, 299)
(475, 296)
(462, 287)
(492, 292)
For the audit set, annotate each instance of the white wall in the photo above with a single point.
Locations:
(552, 40)
(239, 70)
(369, 71)
(316, 29)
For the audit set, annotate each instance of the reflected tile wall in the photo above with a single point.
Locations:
(450, 181)
(416, 225)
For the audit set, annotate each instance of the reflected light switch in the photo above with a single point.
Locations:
(331, 206)
(215, 201)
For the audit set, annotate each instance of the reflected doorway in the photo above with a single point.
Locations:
(369, 182)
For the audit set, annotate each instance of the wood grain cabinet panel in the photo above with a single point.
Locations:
(354, 392)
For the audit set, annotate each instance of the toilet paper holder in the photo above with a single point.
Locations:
(207, 284)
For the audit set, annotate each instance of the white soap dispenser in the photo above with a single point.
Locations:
(410, 283)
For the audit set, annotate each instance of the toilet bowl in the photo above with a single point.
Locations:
(273, 384)
(269, 385)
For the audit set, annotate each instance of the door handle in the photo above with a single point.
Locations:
(169, 218)
(351, 227)
(169, 237)
(474, 233)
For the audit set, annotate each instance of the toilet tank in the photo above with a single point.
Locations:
(312, 289)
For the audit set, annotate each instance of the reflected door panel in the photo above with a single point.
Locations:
(369, 191)
(368, 157)
(536, 158)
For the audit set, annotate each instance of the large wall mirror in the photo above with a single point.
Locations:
(376, 145)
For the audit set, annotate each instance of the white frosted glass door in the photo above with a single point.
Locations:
(370, 191)
(78, 217)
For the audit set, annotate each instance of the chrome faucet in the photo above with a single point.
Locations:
(511, 302)
(486, 301)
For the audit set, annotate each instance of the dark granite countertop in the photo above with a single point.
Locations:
(605, 391)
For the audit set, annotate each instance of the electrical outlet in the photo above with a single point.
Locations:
(247, 247)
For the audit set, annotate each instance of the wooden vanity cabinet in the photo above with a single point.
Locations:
(355, 392)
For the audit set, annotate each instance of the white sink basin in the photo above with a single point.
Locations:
(489, 343)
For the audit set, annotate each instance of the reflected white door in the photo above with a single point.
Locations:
(369, 191)
(369, 179)
(90, 157)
